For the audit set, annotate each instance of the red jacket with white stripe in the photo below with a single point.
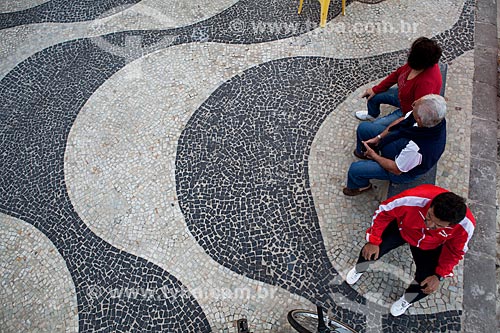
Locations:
(409, 209)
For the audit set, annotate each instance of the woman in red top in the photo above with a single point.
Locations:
(420, 76)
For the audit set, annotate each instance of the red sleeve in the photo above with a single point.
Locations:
(387, 212)
(388, 82)
(454, 249)
(450, 256)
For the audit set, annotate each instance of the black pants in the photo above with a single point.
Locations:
(425, 260)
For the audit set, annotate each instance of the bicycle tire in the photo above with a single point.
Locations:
(306, 321)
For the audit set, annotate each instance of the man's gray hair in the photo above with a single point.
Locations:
(431, 110)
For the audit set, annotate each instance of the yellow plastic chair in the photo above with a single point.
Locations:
(325, 4)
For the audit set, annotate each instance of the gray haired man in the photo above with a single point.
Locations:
(405, 150)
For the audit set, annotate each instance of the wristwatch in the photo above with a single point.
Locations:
(379, 137)
(439, 277)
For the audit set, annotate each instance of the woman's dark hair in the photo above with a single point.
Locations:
(424, 53)
(449, 207)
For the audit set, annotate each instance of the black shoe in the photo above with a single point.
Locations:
(351, 192)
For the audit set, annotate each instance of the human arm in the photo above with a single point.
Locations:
(375, 140)
(389, 81)
(387, 164)
(455, 246)
(450, 256)
(407, 159)
(392, 209)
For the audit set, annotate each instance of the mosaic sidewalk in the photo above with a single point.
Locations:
(177, 166)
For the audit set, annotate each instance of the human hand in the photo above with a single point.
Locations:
(369, 152)
(373, 141)
(368, 94)
(431, 284)
(370, 250)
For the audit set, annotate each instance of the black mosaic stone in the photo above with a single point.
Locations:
(442, 322)
(63, 11)
(40, 100)
(245, 151)
(245, 22)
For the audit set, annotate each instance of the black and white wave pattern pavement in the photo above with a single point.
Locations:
(241, 167)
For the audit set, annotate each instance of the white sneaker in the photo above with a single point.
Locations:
(363, 115)
(399, 307)
(353, 276)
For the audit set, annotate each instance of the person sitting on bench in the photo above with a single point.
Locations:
(420, 76)
(409, 147)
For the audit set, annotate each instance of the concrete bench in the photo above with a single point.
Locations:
(430, 176)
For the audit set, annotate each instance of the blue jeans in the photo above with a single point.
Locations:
(387, 97)
(388, 119)
(368, 130)
(361, 172)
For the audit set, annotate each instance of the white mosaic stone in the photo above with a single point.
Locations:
(7, 6)
(36, 290)
(159, 14)
(453, 167)
(353, 33)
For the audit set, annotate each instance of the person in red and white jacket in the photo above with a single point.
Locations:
(435, 223)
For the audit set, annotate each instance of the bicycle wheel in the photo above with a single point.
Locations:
(305, 321)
